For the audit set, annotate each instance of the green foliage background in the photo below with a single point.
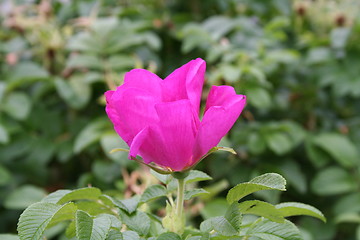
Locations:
(297, 61)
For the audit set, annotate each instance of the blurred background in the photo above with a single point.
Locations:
(298, 62)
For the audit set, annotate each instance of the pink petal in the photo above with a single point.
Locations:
(170, 142)
(143, 79)
(186, 82)
(131, 110)
(218, 96)
(218, 119)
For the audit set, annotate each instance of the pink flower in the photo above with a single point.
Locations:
(159, 119)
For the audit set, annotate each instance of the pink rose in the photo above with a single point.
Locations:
(159, 119)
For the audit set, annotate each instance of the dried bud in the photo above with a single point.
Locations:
(301, 10)
(340, 20)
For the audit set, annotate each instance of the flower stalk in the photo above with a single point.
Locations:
(180, 198)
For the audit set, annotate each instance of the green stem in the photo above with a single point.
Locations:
(180, 198)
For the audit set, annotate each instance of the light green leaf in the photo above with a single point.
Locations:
(24, 196)
(82, 193)
(233, 215)
(54, 197)
(294, 209)
(339, 147)
(153, 192)
(130, 235)
(129, 205)
(121, 62)
(268, 230)
(169, 236)
(36, 218)
(220, 225)
(9, 237)
(114, 235)
(90, 134)
(17, 105)
(262, 209)
(194, 193)
(91, 229)
(333, 180)
(84, 61)
(138, 222)
(197, 176)
(4, 135)
(268, 181)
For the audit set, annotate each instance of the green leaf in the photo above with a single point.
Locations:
(268, 230)
(215, 207)
(168, 236)
(24, 196)
(294, 175)
(233, 215)
(220, 225)
(54, 197)
(76, 92)
(4, 135)
(279, 142)
(84, 61)
(82, 193)
(194, 193)
(339, 147)
(114, 235)
(9, 237)
(164, 178)
(256, 143)
(197, 176)
(121, 62)
(91, 229)
(129, 205)
(89, 135)
(259, 97)
(111, 143)
(5, 176)
(130, 235)
(36, 218)
(228, 225)
(333, 180)
(294, 209)
(153, 192)
(262, 209)
(17, 105)
(138, 222)
(268, 181)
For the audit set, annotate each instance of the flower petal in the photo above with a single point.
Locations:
(186, 82)
(131, 110)
(178, 124)
(218, 119)
(143, 79)
(169, 143)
